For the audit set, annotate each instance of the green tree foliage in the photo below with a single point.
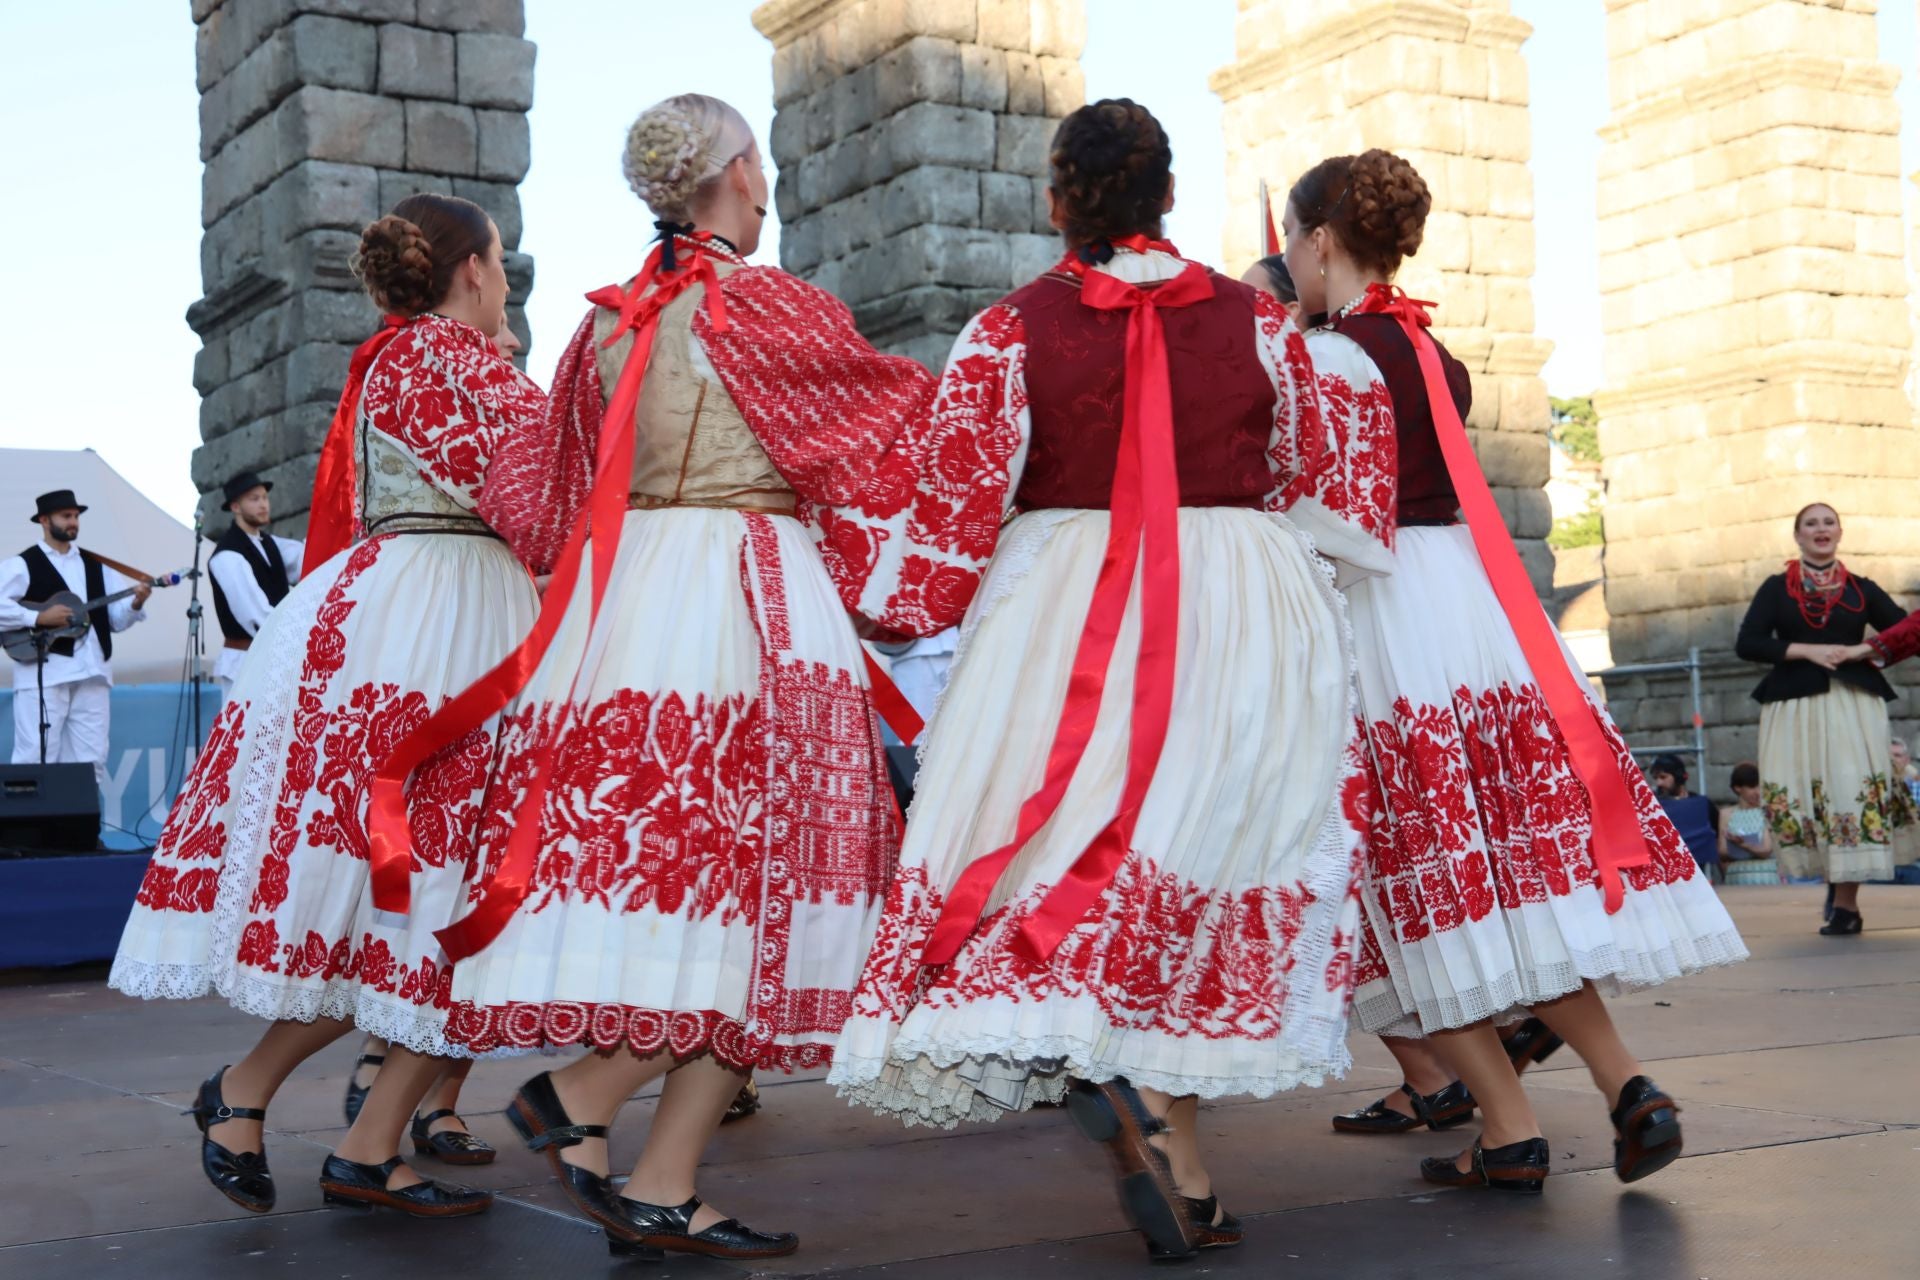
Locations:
(1581, 530)
(1576, 428)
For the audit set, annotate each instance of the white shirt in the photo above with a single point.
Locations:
(87, 662)
(245, 598)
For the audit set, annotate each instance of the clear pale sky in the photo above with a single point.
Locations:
(102, 216)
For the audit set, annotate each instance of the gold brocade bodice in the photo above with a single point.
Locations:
(392, 487)
(691, 445)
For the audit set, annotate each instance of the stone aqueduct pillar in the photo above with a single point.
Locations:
(316, 116)
(911, 138)
(1441, 82)
(1757, 331)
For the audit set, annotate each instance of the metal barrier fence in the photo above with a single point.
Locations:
(1698, 748)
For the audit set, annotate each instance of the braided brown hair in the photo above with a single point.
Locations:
(407, 259)
(1111, 167)
(1375, 203)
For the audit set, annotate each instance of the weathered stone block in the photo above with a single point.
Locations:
(210, 365)
(232, 244)
(322, 259)
(931, 133)
(320, 194)
(239, 169)
(1023, 144)
(494, 71)
(1059, 28)
(921, 71)
(501, 200)
(346, 128)
(441, 137)
(1063, 86)
(931, 194)
(316, 371)
(1026, 85)
(983, 78)
(1006, 24)
(504, 17)
(1006, 202)
(506, 145)
(1033, 255)
(415, 63)
(397, 185)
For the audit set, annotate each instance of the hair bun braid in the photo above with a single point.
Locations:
(663, 158)
(1111, 165)
(1389, 203)
(395, 263)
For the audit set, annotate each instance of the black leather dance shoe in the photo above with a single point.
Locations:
(1533, 1043)
(744, 1103)
(364, 1186)
(451, 1146)
(357, 1093)
(1213, 1227)
(240, 1176)
(1519, 1167)
(1842, 923)
(1648, 1124)
(1450, 1106)
(664, 1228)
(536, 1114)
(1114, 1115)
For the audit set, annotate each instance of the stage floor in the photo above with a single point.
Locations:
(1799, 1073)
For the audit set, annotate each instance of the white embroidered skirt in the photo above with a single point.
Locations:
(259, 887)
(1825, 774)
(1482, 893)
(1220, 960)
(719, 829)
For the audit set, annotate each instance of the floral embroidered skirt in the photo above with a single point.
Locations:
(1825, 775)
(259, 887)
(718, 831)
(1220, 959)
(1482, 893)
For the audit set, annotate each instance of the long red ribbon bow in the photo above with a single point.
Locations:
(389, 837)
(330, 518)
(1143, 531)
(1618, 840)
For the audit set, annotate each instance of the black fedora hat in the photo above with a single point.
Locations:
(244, 483)
(58, 500)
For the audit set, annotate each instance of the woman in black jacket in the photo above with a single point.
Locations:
(1823, 721)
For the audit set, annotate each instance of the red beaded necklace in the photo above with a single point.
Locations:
(1818, 592)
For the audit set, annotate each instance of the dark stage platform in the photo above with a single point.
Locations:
(1799, 1073)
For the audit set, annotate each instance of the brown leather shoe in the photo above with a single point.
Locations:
(1213, 1227)
(1520, 1167)
(1114, 1115)
(1648, 1124)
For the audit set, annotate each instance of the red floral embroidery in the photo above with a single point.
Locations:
(1479, 807)
(191, 832)
(1358, 481)
(681, 1032)
(260, 946)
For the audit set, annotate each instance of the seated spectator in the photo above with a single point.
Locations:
(1904, 769)
(1695, 817)
(1744, 834)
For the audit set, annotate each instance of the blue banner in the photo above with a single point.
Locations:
(148, 756)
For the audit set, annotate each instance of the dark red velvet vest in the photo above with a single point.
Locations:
(1426, 494)
(1076, 374)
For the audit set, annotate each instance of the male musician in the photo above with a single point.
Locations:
(76, 676)
(252, 571)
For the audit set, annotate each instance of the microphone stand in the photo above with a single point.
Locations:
(195, 651)
(42, 641)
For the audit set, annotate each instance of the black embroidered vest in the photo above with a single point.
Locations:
(269, 570)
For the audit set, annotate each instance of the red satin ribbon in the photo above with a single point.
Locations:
(890, 703)
(389, 837)
(1143, 531)
(330, 513)
(1618, 841)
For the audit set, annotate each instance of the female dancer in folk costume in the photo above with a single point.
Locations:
(1516, 857)
(260, 886)
(1129, 876)
(691, 829)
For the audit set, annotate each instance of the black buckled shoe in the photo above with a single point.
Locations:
(1114, 1115)
(664, 1228)
(357, 1093)
(240, 1176)
(1648, 1124)
(744, 1103)
(1213, 1227)
(451, 1145)
(1842, 924)
(536, 1114)
(1533, 1043)
(364, 1186)
(1519, 1167)
(1448, 1107)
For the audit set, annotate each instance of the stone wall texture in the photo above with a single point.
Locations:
(1753, 283)
(1442, 83)
(911, 138)
(317, 116)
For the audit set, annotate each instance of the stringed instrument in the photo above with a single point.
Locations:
(26, 644)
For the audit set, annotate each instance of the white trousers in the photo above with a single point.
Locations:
(76, 724)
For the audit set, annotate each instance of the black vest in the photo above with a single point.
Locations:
(44, 583)
(269, 570)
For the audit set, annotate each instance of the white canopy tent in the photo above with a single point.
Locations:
(123, 523)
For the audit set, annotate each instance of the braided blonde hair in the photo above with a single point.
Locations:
(680, 146)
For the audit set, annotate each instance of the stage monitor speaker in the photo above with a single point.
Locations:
(48, 808)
